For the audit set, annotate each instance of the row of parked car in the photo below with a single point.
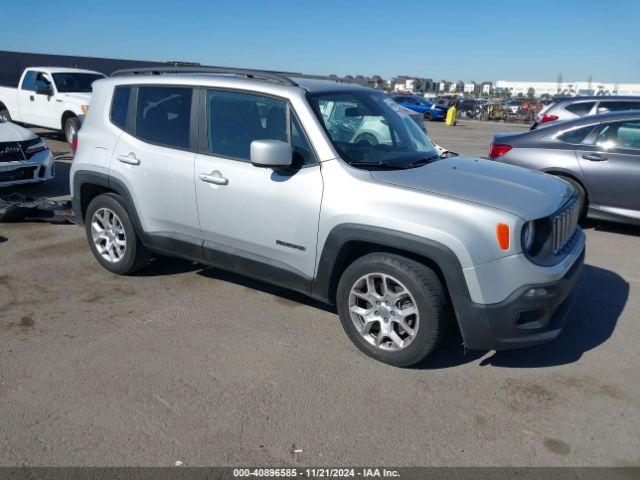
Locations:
(335, 191)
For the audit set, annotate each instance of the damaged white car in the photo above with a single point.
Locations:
(24, 157)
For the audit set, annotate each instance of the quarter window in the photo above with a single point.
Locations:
(580, 109)
(119, 106)
(576, 136)
(163, 115)
(302, 152)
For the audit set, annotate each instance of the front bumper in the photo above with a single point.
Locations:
(520, 320)
(39, 168)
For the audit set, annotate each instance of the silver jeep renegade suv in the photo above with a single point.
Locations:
(329, 189)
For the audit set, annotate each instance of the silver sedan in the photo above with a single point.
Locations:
(598, 155)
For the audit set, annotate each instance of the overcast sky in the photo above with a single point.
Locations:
(456, 40)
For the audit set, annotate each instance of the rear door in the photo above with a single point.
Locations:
(612, 167)
(154, 157)
(258, 221)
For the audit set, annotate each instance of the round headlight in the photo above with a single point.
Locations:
(528, 236)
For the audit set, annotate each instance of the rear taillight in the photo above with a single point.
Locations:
(548, 118)
(499, 149)
(74, 142)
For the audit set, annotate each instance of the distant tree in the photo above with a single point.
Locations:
(545, 96)
(520, 95)
(531, 92)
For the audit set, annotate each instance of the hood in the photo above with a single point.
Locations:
(516, 190)
(10, 132)
(83, 98)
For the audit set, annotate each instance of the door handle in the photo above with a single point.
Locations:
(31, 98)
(130, 159)
(594, 157)
(214, 177)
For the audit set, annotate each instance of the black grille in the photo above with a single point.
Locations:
(24, 173)
(11, 152)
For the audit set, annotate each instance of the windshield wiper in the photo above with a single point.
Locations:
(423, 161)
(378, 164)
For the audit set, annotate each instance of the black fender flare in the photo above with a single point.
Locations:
(107, 182)
(341, 235)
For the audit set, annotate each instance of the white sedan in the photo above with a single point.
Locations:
(24, 157)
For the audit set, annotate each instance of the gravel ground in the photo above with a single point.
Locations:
(183, 362)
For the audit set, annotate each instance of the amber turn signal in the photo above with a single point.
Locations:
(502, 232)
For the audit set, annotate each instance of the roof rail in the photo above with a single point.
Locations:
(276, 77)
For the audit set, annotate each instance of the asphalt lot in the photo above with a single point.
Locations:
(188, 363)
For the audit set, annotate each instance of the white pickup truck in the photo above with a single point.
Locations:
(49, 97)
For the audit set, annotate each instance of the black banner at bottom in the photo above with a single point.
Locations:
(285, 473)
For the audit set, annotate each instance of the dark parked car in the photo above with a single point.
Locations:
(599, 155)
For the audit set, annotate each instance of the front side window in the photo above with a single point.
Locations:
(620, 135)
(41, 82)
(237, 119)
(580, 109)
(163, 115)
(119, 106)
(370, 129)
(75, 82)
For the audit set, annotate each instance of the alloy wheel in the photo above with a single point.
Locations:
(108, 234)
(384, 311)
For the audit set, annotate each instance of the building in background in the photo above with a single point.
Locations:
(487, 88)
(568, 88)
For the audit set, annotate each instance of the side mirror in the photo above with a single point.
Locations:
(44, 90)
(271, 154)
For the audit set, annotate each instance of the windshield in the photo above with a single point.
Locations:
(371, 129)
(75, 82)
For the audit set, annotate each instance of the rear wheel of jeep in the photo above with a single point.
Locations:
(393, 308)
(112, 237)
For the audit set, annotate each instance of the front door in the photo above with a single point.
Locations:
(255, 220)
(612, 167)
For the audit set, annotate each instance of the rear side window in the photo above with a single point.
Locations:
(29, 80)
(580, 109)
(576, 136)
(618, 106)
(120, 105)
(163, 115)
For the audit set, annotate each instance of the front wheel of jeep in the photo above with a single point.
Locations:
(393, 308)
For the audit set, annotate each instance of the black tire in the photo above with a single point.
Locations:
(136, 256)
(71, 127)
(5, 115)
(430, 299)
(581, 193)
(428, 116)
